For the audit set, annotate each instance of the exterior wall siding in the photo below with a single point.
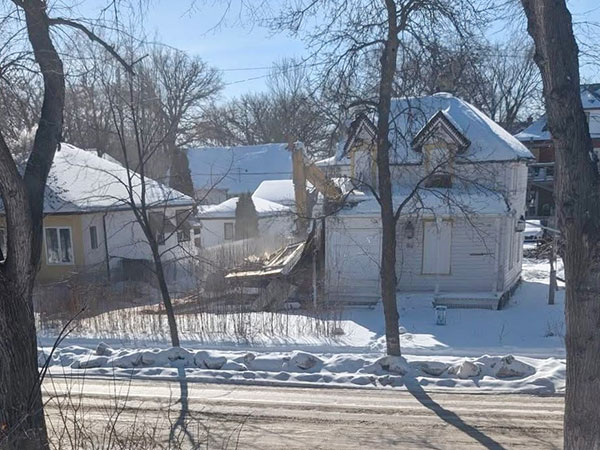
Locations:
(213, 230)
(125, 237)
(352, 248)
(473, 258)
(486, 251)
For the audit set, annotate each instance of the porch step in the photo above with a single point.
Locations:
(480, 300)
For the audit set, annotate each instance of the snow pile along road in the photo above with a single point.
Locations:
(502, 373)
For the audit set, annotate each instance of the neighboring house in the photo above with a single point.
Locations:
(89, 228)
(536, 137)
(217, 222)
(459, 238)
(219, 173)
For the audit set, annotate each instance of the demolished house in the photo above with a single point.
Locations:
(461, 180)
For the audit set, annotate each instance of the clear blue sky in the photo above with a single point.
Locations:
(234, 44)
(226, 40)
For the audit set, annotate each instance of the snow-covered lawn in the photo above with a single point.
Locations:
(526, 326)
(295, 347)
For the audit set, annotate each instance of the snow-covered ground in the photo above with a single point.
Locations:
(295, 347)
(526, 326)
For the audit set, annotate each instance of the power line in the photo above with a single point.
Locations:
(233, 173)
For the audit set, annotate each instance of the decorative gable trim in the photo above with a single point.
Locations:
(440, 120)
(361, 122)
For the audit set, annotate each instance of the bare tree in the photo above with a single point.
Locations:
(289, 110)
(183, 85)
(22, 423)
(499, 78)
(177, 86)
(509, 85)
(348, 36)
(135, 118)
(577, 191)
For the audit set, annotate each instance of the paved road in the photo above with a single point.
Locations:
(258, 417)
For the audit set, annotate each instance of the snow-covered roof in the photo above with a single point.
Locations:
(590, 96)
(278, 191)
(488, 140)
(105, 156)
(238, 169)
(538, 130)
(227, 208)
(432, 201)
(80, 181)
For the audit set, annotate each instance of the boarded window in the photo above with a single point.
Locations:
(228, 231)
(59, 246)
(93, 237)
(437, 239)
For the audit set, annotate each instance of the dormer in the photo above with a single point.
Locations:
(440, 127)
(360, 149)
(439, 141)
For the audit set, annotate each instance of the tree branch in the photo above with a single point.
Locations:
(93, 37)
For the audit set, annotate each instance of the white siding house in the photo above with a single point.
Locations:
(89, 224)
(217, 222)
(462, 179)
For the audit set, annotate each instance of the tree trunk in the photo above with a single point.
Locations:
(388, 221)
(166, 296)
(22, 423)
(577, 189)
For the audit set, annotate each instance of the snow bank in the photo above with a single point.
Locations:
(506, 373)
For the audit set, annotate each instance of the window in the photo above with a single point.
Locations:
(2, 243)
(59, 246)
(437, 238)
(515, 179)
(93, 237)
(160, 226)
(197, 237)
(439, 180)
(183, 227)
(228, 231)
(439, 166)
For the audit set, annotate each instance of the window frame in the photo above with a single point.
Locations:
(60, 263)
(183, 234)
(94, 244)
(444, 177)
(225, 227)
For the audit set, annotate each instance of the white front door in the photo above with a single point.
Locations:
(437, 240)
